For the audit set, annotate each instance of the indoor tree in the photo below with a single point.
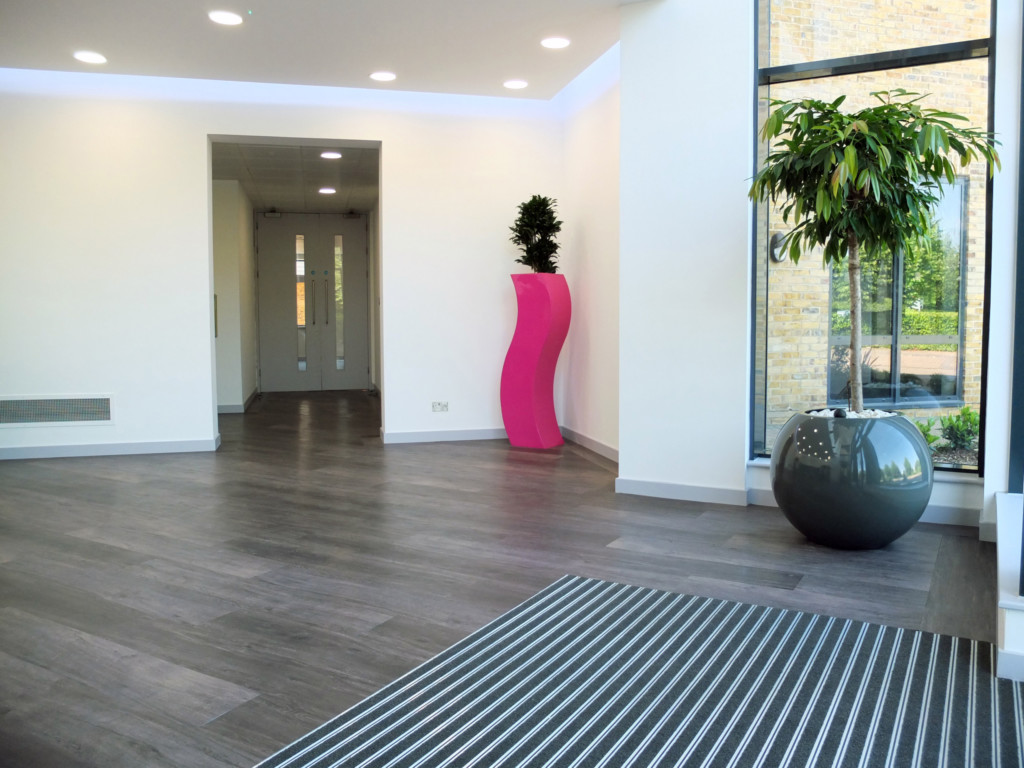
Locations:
(862, 181)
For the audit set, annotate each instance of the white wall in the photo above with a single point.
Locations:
(234, 262)
(588, 396)
(450, 188)
(105, 275)
(687, 135)
(109, 178)
(1004, 256)
(373, 254)
(247, 303)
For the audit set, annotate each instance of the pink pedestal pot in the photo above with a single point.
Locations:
(527, 378)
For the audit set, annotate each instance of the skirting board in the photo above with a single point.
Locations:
(108, 449)
(591, 444)
(681, 492)
(1010, 666)
(442, 436)
(1010, 657)
(933, 513)
(238, 408)
(494, 434)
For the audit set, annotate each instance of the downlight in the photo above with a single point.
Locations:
(227, 18)
(90, 57)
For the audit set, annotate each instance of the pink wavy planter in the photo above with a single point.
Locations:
(528, 376)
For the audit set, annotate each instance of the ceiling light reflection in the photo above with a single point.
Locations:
(555, 42)
(90, 57)
(225, 17)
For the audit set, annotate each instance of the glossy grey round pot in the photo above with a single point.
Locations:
(851, 483)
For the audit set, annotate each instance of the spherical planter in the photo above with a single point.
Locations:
(851, 483)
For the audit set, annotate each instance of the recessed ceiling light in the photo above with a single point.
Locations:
(330, 155)
(555, 42)
(90, 57)
(225, 17)
(327, 190)
(383, 77)
(515, 84)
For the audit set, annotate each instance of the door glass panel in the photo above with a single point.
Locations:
(300, 298)
(339, 303)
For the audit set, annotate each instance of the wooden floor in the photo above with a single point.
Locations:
(206, 609)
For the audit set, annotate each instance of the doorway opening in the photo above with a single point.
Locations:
(297, 274)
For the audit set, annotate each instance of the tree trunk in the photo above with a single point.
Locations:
(856, 377)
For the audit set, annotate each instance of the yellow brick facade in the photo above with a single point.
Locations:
(792, 301)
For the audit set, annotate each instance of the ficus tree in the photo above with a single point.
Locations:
(534, 232)
(862, 181)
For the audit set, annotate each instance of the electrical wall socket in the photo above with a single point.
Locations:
(439, 406)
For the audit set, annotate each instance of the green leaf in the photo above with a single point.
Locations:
(850, 158)
(922, 140)
(884, 156)
(946, 115)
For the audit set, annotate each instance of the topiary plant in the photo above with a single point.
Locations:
(867, 180)
(534, 232)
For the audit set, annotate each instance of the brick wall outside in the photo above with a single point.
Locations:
(792, 359)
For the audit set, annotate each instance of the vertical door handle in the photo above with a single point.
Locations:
(312, 285)
(327, 303)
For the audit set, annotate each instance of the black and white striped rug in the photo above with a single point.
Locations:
(593, 673)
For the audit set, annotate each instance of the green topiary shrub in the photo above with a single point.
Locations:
(926, 428)
(961, 429)
(534, 232)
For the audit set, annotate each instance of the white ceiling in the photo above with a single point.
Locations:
(468, 47)
(443, 46)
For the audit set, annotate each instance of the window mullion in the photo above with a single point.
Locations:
(897, 326)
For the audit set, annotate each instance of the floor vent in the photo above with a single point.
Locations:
(55, 410)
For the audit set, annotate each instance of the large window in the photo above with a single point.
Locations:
(923, 309)
(912, 319)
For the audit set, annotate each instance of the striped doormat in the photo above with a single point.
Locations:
(593, 673)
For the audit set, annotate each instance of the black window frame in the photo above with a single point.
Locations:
(864, 63)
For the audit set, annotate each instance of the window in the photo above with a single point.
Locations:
(912, 319)
(924, 310)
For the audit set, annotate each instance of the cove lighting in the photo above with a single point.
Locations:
(90, 57)
(555, 42)
(383, 77)
(330, 155)
(327, 190)
(225, 17)
(515, 85)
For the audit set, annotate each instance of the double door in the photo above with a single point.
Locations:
(313, 302)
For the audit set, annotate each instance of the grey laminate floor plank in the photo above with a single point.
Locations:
(205, 609)
(118, 671)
